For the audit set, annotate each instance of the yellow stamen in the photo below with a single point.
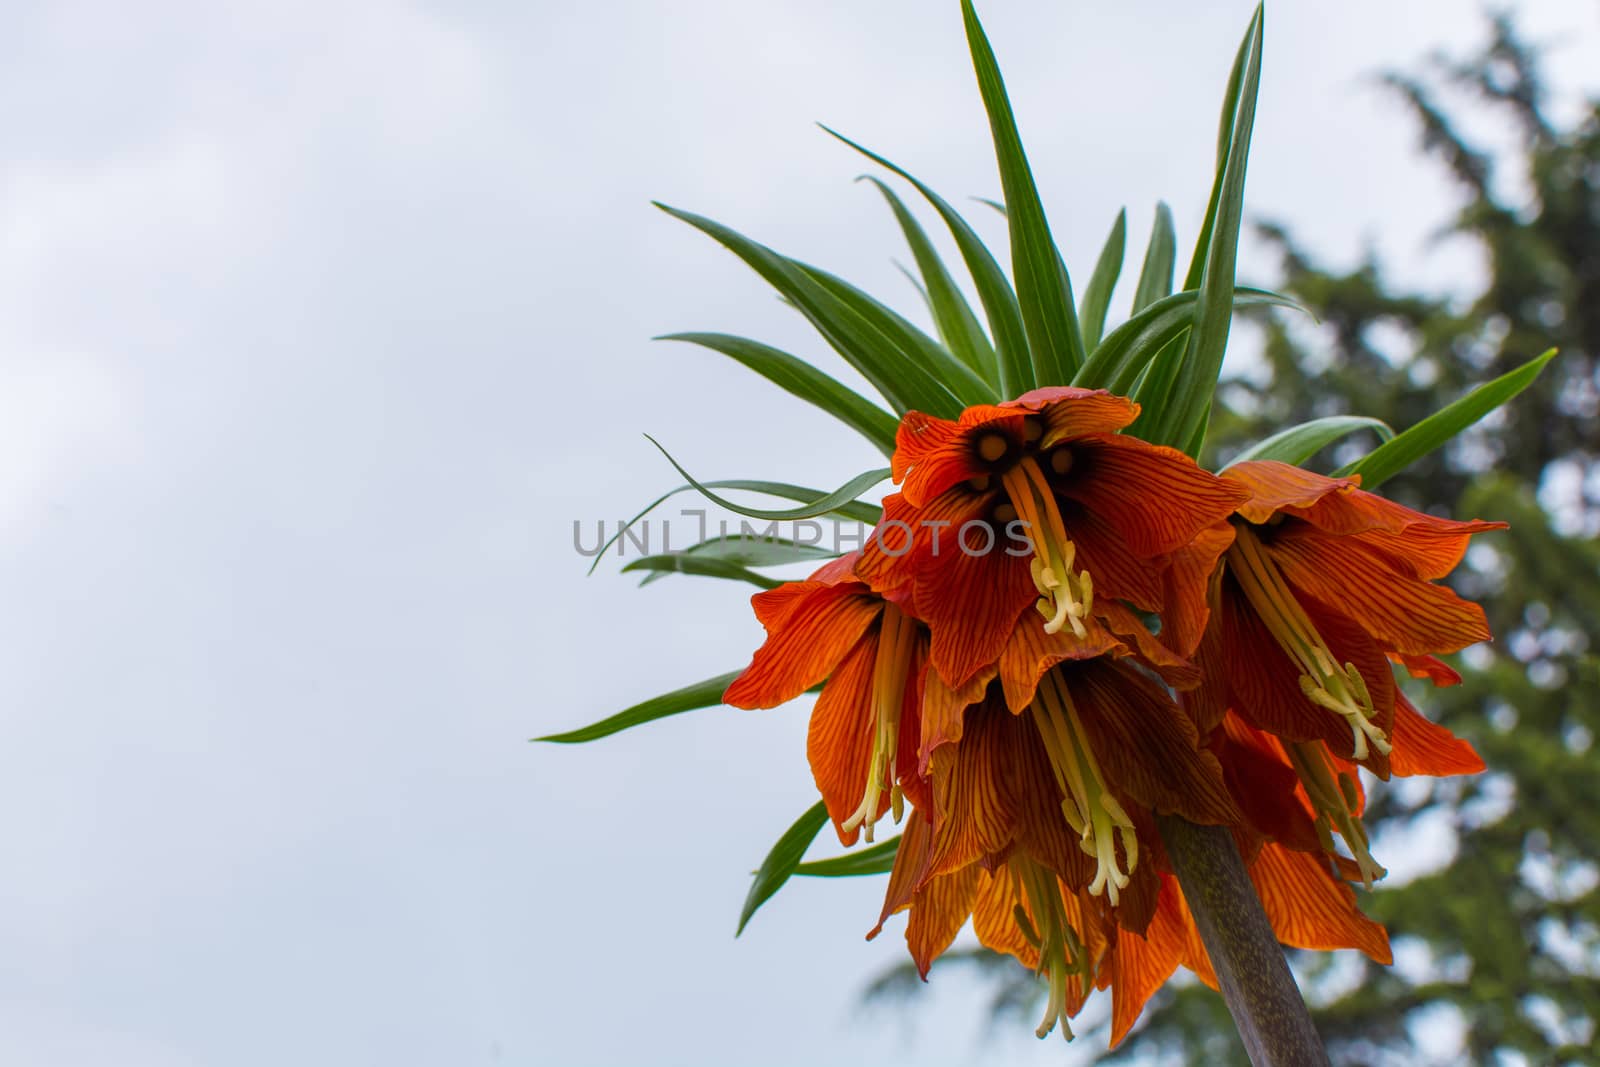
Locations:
(1340, 690)
(896, 641)
(1065, 597)
(1089, 806)
(1061, 952)
(1333, 797)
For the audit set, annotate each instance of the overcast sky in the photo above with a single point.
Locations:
(321, 324)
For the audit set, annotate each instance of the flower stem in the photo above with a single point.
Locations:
(1256, 984)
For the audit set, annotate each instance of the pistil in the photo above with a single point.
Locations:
(890, 670)
(1061, 953)
(1342, 691)
(1334, 798)
(1088, 804)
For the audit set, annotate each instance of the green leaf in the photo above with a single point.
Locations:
(678, 563)
(730, 557)
(821, 506)
(908, 342)
(1097, 297)
(1225, 121)
(1044, 290)
(1160, 256)
(958, 326)
(1119, 359)
(991, 202)
(874, 859)
(782, 860)
(804, 381)
(704, 694)
(1179, 418)
(895, 374)
(994, 288)
(1394, 456)
(854, 510)
(1299, 443)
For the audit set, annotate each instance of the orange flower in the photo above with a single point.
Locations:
(1035, 501)
(864, 729)
(1322, 585)
(1020, 908)
(1066, 758)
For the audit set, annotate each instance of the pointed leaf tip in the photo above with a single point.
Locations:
(782, 860)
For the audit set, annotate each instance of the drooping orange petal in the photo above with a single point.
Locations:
(1404, 613)
(1156, 498)
(1435, 670)
(1264, 785)
(772, 606)
(1136, 904)
(1428, 551)
(943, 712)
(1189, 588)
(1175, 670)
(974, 798)
(810, 638)
(1117, 573)
(1309, 909)
(1208, 702)
(932, 454)
(1274, 486)
(839, 739)
(1146, 746)
(970, 600)
(938, 912)
(1031, 652)
(911, 860)
(994, 916)
(1424, 747)
(1071, 413)
(909, 769)
(1195, 956)
(1142, 965)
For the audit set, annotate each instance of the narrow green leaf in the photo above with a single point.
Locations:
(1225, 122)
(904, 340)
(1160, 256)
(800, 378)
(739, 552)
(1299, 443)
(991, 202)
(874, 859)
(898, 377)
(958, 326)
(1107, 269)
(704, 694)
(854, 510)
(821, 506)
(782, 860)
(1044, 290)
(994, 288)
(1119, 359)
(1394, 456)
(1182, 415)
(677, 563)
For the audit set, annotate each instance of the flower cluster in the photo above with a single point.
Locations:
(1165, 642)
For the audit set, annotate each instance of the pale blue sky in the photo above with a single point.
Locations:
(322, 323)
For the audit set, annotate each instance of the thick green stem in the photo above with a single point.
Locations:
(1256, 984)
